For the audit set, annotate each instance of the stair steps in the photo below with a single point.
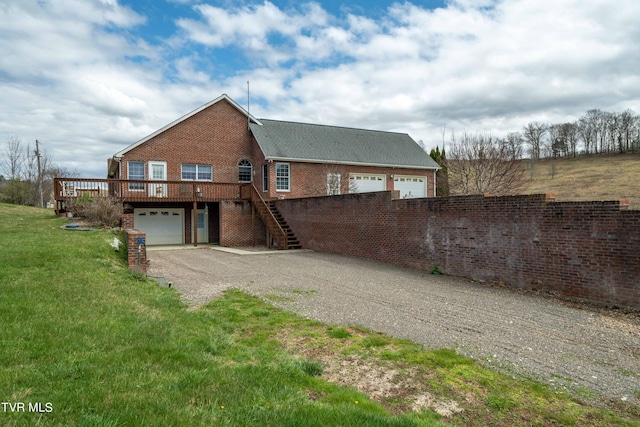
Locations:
(277, 226)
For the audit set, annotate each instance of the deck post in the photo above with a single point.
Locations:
(195, 224)
(253, 224)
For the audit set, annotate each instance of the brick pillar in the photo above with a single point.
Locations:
(137, 250)
(127, 220)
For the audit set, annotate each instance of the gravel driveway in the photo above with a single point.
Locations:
(512, 331)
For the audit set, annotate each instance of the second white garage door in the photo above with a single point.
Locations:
(164, 226)
(360, 183)
(410, 186)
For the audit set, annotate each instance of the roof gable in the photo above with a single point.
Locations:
(222, 97)
(292, 141)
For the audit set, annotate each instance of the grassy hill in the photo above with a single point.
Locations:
(595, 177)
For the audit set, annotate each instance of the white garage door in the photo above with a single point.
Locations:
(410, 186)
(365, 183)
(164, 226)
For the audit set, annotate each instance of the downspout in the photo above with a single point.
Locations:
(435, 181)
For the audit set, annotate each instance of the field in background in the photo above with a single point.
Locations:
(587, 178)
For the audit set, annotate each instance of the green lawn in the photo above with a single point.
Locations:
(84, 343)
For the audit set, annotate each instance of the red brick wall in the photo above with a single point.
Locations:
(310, 179)
(235, 225)
(588, 250)
(127, 220)
(217, 136)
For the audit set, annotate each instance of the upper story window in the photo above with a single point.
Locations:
(135, 171)
(197, 173)
(245, 171)
(282, 177)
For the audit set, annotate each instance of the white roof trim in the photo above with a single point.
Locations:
(185, 117)
(339, 162)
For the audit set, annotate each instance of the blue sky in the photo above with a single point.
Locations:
(89, 77)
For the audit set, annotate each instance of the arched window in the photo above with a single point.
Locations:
(245, 171)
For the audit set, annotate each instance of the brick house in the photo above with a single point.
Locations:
(218, 167)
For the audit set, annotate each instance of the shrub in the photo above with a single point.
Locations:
(100, 211)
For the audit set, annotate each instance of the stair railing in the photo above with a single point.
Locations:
(269, 219)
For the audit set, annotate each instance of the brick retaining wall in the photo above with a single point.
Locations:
(587, 250)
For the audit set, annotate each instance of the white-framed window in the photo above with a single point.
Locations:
(245, 171)
(282, 177)
(197, 172)
(333, 184)
(135, 171)
(265, 177)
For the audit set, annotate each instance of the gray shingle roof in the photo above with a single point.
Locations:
(317, 143)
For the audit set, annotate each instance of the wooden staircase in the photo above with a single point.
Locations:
(277, 227)
(291, 239)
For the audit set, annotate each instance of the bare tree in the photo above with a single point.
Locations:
(611, 131)
(635, 133)
(30, 172)
(602, 124)
(554, 147)
(515, 141)
(587, 133)
(563, 139)
(14, 158)
(570, 132)
(592, 119)
(479, 164)
(533, 133)
(626, 122)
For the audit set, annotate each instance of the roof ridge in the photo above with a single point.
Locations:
(334, 126)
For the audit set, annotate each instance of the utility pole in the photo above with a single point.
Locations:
(39, 174)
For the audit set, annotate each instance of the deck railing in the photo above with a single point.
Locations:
(67, 189)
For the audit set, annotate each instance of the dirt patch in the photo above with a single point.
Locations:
(398, 388)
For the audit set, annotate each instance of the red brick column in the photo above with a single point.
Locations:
(137, 250)
(127, 220)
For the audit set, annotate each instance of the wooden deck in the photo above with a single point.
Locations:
(127, 191)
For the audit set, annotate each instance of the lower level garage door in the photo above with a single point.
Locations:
(163, 226)
(410, 186)
(365, 183)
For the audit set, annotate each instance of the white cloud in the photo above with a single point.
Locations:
(80, 75)
(251, 27)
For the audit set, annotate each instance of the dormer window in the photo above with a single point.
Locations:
(245, 171)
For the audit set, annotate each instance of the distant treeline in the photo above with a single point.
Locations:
(594, 133)
(26, 173)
